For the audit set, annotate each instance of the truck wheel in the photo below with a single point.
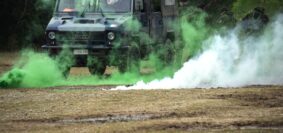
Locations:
(123, 64)
(131, 61)
(129, 65)
(62, 67)
(66, 72)
(64, 60)
(167, 56)
(96, 66)
(99, 71)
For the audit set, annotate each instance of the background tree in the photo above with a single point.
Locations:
(243, 7)
(23, 22)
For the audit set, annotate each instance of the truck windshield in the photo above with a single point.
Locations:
(94, 6)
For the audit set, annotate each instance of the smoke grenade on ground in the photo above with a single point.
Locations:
(33, 70)
(230, 60)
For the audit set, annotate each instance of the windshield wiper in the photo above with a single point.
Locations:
(104, 19)
(101, 12)
(84, 11)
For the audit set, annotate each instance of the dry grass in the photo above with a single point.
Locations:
(253, 109)
(7, 59)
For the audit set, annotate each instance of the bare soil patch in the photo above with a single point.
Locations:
(7, 59)
(71, 109)
(98, 109)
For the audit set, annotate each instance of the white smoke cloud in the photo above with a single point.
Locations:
(230, 60)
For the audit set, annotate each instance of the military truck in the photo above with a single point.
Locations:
(95, 29)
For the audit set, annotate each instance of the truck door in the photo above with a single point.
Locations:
(156, 23)
(169, 9)
(141, 13)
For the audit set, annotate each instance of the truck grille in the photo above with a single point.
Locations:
(81, 35)
(87, 38)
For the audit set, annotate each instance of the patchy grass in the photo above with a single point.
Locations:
(251, 109)
(7, 59)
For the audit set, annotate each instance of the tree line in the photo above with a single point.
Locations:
(23, 21)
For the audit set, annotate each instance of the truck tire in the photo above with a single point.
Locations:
(129, 65)
(169, 57)
(96, 66)
(64, 60)
(167, 52)
(131, 60)
(66, 72)
(97, 70)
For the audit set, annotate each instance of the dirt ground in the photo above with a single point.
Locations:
(92, 109)
(7, 59)
(88, 109)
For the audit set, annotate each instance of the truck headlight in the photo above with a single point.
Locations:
(52, 35)
(111, 36)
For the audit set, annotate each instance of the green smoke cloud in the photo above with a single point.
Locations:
(39, 70)
(194, 30)
(33, 70)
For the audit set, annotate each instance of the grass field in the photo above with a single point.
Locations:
(91, 109)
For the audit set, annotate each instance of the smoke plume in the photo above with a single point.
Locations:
(233, 59)
(33, 70)
(228, 59)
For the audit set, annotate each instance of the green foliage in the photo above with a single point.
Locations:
(133, 26)
(243, 7)
(26, 21)
(45, 5)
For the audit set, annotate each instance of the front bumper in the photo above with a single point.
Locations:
(93, 49)
(89, 47)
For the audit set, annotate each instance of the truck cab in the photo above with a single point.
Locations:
(93, 29)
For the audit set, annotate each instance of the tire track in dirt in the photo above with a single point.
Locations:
(90, 119)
